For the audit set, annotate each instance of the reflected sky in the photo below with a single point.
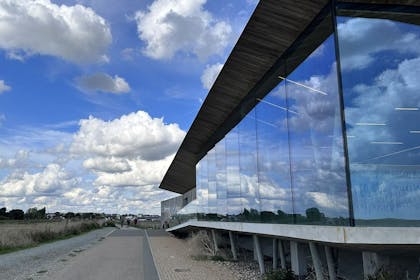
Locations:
(382, 98)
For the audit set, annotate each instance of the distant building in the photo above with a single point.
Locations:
(309, 140)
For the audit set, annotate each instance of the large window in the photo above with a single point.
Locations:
(273, 158)
(380, 67)
(316, 144)
(233, 181)
(248, 168)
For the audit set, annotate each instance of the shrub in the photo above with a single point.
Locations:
(381, 274)
(217, 258)
(281, 274)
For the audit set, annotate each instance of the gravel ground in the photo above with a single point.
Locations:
(35, 262)
(174, 262)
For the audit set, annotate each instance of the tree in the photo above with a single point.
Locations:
(31, 213)
(69, 215)
(3, 212)
(42, 213)
(34, 213)
(16, 214)
(314, 215)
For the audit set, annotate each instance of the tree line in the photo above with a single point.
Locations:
(40, 214)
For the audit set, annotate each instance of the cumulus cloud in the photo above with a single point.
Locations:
(171, 26)
(138, 173)
(18, 161)
(361, 39)
(133, 135)
(4, 87)
(103, 82)
(109, 165)
(74, 33)
(210, 74)
(51, 179)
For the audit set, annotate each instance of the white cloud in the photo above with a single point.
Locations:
(103, 82)
(49, 181)
(18, 161)
(140, 173)
(361, 39)
(210, 74)
(171, 26)
(106, 166)
(109, 165)
(4, 87)
(74, 33)
(329, 201)
(133, 135)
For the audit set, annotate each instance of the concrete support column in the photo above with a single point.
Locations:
(233, 246)
(213, 234)
(373, 261)
(297, 256)
(316, 261)
(275, 253)
(282, 255)
(259, 254)
(330, 263)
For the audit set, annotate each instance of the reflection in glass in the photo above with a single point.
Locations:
(202, 187)
(233, 181)
(221, 191)
(248, 168)
(316, 146)
(380, 64)
(273, 158)
(212, 185)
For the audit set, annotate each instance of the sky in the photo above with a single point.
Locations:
(96, 96)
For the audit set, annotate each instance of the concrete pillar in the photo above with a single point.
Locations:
(298, 258)
(233, 246)
(275, 253)
(373, 261)
(282, 255)
(259, 254)
(330, 263)
(316, 261)
(213, 234)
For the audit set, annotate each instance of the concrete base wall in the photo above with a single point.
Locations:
(350, 261)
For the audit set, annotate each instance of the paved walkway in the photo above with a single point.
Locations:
(125, 255)
(174, 262)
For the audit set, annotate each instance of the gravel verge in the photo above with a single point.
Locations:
(35, 262)
(174, 261)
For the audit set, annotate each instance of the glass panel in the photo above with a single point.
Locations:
(221, 179)
(316, 146)
(380, 61)
(248, 168)
(233, 181)
(212, 185)
(202, 188)
(273, 158)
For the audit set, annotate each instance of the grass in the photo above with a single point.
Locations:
(19, 236)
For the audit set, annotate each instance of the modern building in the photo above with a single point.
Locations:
(307, 147)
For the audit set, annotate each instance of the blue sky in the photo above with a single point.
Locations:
(95, 97)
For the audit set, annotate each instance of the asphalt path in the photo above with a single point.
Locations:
(124, 254)
(106, 255)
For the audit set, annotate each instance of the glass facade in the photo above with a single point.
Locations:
(380, 70)
(336, 141)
